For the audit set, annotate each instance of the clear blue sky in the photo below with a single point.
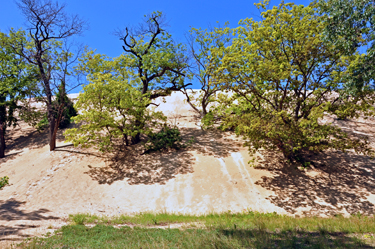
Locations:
(106, 16)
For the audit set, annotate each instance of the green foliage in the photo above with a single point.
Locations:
(67, 114)
(154, 59)
(350, 25)
(203, 66)
(17, 77)
(42, 124)
(208, 120)
(17, 80)
(68, 108)
(4, 181)
(111, 107)
(167, 137)
(79, 219)
(285, 79)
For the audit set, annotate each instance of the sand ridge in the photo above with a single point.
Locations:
(212, 175)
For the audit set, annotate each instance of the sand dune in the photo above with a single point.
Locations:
(211, 176)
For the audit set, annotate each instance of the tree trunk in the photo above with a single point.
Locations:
(126, 141)
(2, 140)
(51, 135)
(136, 139)
(56, 127)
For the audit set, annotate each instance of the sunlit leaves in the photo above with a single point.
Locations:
(285, 78)
(111, 106)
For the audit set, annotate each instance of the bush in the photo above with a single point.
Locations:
(167, 137)
(66, 117)
(69, 110)
(4, 181)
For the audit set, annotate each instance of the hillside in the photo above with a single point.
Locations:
(210, 176)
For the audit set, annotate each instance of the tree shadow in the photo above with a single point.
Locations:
(10, 211)
(262, 238)
(9, 156)
(339, 182)
(71, 149)
(17, 139)
(31, 138)
(153, 168)
(161, 166)
(212, 142)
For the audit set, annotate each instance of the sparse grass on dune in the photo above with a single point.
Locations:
(227, 230)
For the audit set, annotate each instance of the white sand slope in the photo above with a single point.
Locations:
(212, 175)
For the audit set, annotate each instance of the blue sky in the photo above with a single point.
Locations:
(104, 17)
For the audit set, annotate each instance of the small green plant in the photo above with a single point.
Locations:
(4, 181)
(167, 137)
(79, 219)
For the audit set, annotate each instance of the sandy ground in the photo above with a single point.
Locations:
(212, 175)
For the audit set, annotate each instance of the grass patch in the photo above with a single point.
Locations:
(227, 230)
(245, 220)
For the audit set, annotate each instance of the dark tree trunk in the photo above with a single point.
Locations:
(52, 135)
(50, 112)
(126, 141)
(3, 115)
(2, 139)
(55, 126)
(136, 139)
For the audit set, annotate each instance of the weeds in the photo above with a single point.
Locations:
(4, 181)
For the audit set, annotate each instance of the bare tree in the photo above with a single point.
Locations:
(47, 23)
(159, 64)
(168, 73)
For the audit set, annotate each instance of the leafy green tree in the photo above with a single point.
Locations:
(351, 27)
(286, 79)
(17, 80)
(154, 60)
(111, 105)
(202, 67)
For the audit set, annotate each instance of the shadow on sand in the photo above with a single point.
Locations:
(10, 210)
(28, 138)
(159, 167)
(340, 182)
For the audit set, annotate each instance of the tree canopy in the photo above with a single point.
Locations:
(110, 105)
(350, 25)
(286, 79)
(17, 80)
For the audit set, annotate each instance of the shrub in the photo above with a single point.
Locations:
(4, 181)
(167, 137)
(68, 113)
(69, 110)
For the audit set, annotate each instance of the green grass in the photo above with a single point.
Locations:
(244, 230)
